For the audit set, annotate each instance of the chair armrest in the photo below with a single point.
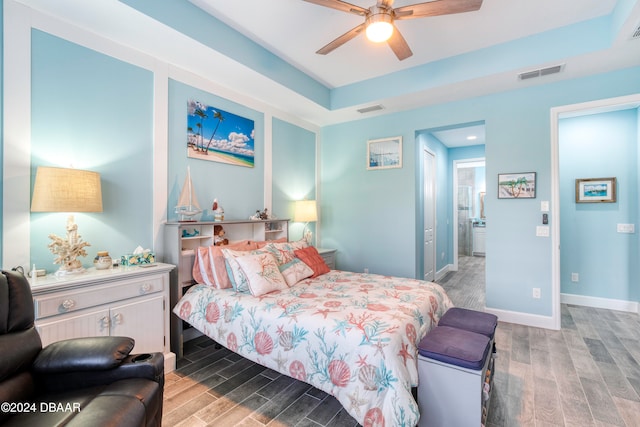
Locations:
(148, 366)
(82, 354)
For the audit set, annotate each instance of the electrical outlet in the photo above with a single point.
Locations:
(366, 270)
(575, 277)
(536, 293)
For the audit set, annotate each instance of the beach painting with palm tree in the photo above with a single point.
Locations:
(219, 136)
(517, 185)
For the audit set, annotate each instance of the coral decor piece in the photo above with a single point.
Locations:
(67, 250)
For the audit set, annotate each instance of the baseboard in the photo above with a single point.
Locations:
(597, 302)
(443, 272)
(527, 319)
(169, 362)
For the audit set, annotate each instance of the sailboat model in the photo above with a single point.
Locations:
(188, 205)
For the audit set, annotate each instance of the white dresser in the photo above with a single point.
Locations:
(122, 301)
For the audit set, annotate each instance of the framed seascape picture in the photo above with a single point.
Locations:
(517, 185)
(219, 136)
(596, 190)
(385, 153)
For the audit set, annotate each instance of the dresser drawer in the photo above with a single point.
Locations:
(73, 300)
(329, 256)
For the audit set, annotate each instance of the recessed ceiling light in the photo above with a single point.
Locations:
(472, 137)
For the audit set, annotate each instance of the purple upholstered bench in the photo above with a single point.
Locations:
(470, 320)
(456, 347)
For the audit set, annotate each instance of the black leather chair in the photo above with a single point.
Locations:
(78, 382)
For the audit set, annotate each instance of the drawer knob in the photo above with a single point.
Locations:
(117, 319)
(145, 288)
(68, 304)
(104, 323)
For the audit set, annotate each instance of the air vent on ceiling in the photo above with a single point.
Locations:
(541, 72)
(636, 33)
(370, 109)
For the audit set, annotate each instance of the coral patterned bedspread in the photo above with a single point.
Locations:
(352, 335)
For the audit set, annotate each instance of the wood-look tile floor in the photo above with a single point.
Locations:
(586, 374)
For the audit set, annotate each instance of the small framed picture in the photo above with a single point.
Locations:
(517, 185)
(596, 190)
(385, 153)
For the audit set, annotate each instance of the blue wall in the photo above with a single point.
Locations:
(93, 112)
(598, 146)
(239, 190)
(370, 216)
(294, 171)
(99, 111)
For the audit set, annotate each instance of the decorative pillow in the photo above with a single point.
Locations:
(236, 275)
(312, 258)
(284, 252)
(263, 243)
(263, 275)
(295, 271)
(209, 265)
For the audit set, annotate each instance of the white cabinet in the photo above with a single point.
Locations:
(182, 239)
(479, 239)
(124, 301)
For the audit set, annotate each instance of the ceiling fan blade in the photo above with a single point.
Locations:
(399, 45)
(436, 8)
(341, 40)
(385, 3)
(341, 5)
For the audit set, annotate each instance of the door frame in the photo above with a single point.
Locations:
(584, 108)
(434, 182)
(454, 266)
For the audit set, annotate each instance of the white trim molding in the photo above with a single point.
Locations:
(597, 302)
(527, 319)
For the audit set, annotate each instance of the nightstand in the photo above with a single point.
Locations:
(329, 256)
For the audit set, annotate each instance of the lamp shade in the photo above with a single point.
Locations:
(66, 190)
(305, 211)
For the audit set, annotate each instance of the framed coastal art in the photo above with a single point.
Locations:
(219, 136)
(517, 185)
(385, 153)
(596, 190)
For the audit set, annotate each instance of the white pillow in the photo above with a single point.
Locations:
(295, 271)
(263, 275)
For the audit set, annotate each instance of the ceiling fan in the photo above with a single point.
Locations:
(378, 23)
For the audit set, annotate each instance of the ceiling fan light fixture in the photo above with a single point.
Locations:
(379, 27)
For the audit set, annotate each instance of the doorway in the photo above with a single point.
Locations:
(469, 219)
(557, 113)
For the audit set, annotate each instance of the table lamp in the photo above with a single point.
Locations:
(67, 190)
(305, 211)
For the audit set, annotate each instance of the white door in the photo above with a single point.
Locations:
(429, 161)
(143, 321)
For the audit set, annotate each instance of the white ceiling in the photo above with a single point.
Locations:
(295, 29)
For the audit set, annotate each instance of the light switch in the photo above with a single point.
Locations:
(626, 228)
(542, 231)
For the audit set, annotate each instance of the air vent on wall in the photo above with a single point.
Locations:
(541, 72)
(370, 109)
(636, 33)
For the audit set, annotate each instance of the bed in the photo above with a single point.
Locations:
(351, 335)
